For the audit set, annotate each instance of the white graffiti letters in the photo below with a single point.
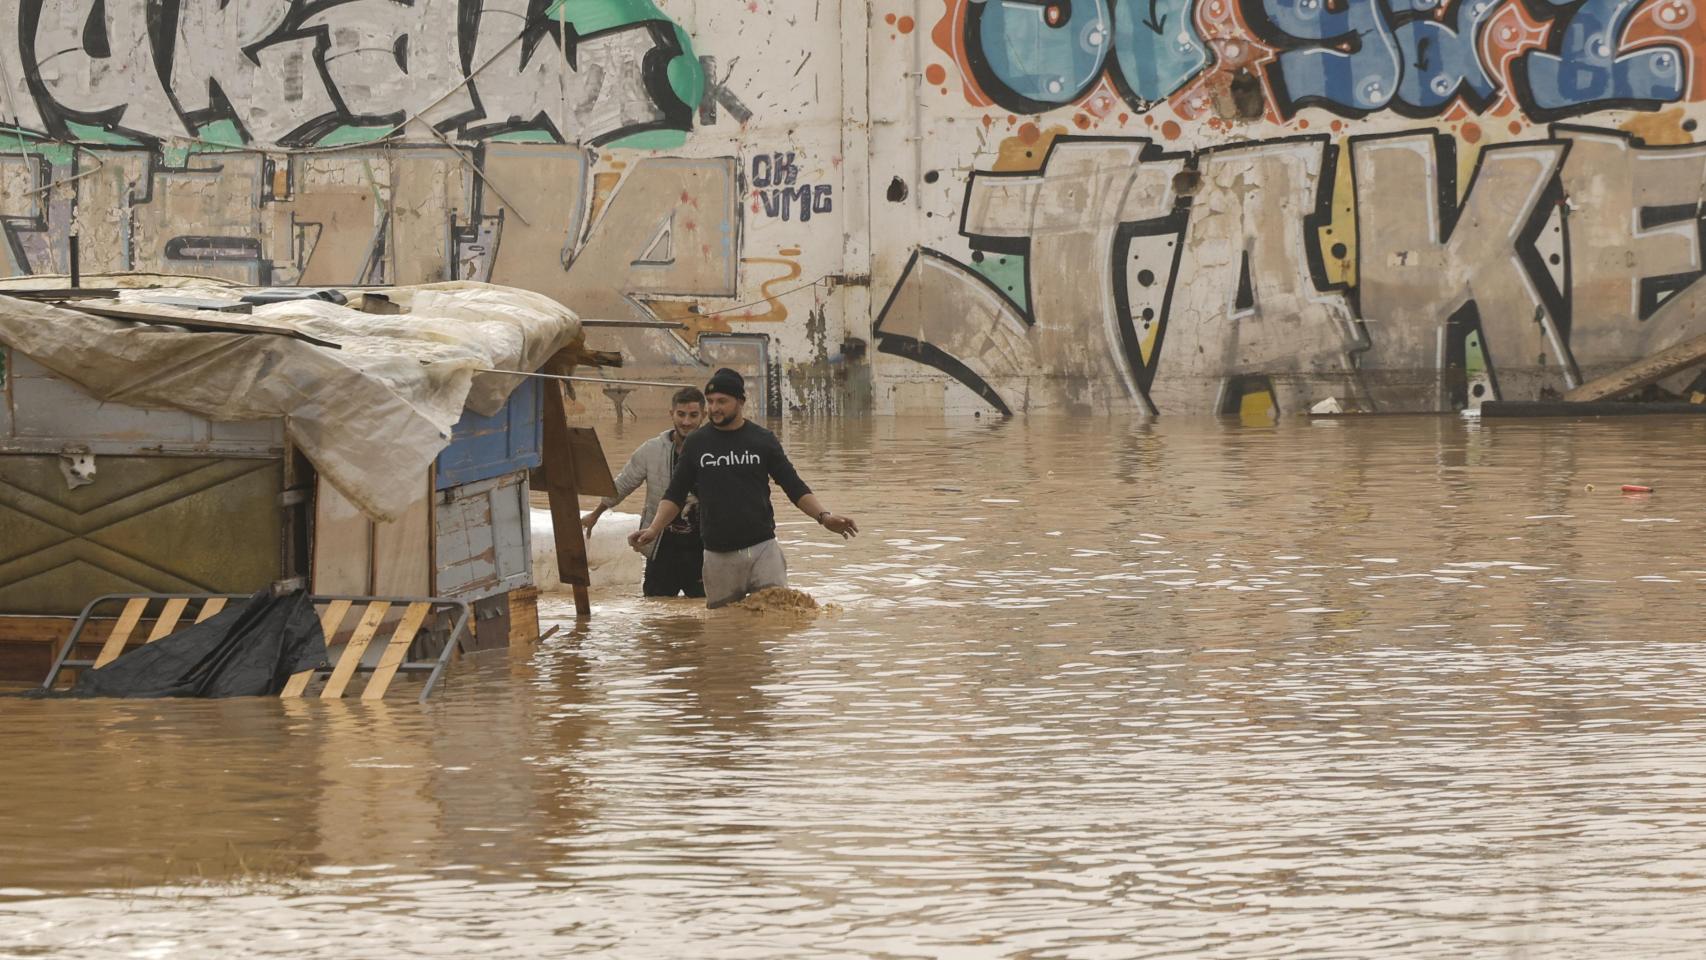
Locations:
(286, 73)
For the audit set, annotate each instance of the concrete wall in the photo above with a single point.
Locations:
(1176, 206)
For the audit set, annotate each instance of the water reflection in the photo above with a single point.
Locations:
(1394, 686)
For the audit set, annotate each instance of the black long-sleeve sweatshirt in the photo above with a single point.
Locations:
(730, 470)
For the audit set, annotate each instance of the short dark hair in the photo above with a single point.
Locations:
(687, 395)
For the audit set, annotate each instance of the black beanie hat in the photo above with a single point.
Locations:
(727, 382)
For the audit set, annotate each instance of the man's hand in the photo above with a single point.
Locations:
(640, 538)
(590, 520)
(842, 525)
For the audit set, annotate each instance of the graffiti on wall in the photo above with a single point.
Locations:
(778, 193)
(277, 142)
(282, 73)
(605, 243)
(1133, 277)
(1552, 58)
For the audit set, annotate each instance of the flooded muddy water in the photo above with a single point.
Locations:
(1395, 687)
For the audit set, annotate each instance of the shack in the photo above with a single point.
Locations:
(163, 435)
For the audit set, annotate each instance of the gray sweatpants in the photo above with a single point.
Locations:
(731, 576)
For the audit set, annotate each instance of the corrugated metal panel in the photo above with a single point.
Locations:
(484, 539)
(486, 447)
(146, 524)
(43, 412)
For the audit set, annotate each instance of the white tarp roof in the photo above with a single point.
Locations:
(371, 416)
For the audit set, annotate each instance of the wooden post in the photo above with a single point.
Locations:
(562, 488)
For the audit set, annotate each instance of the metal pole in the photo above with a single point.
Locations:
(557, 376)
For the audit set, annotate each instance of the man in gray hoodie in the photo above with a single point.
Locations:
(675, 561)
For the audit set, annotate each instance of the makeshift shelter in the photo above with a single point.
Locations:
(172, 436)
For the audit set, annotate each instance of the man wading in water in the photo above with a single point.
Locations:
(673, 564)
(729, 466)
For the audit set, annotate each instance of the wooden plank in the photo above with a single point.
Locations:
(523, 616)
(169, 618)
(210, 609)
(343, 544)
(1495, 409)
(200, 323)
(331, 619)
(1603, 408)
(350, 659)
(592, 468)
(396, 651)
(1628, 379)
(127, 622)
(559, 466)
(29, 644)
(402, 551)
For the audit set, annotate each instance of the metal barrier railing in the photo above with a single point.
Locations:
(406, 649)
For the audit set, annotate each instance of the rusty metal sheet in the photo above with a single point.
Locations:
(146, 524)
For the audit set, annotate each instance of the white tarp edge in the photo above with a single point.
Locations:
(372, 416)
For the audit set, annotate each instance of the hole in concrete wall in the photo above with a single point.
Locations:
(932, 177)
(1247, 103)
(1186, 183)
(897, 190)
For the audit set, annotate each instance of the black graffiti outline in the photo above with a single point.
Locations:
(1449, 209)
(928, 354)
(1652, 289)
(1319, 216)
(666, 46)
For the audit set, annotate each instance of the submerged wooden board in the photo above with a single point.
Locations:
(1509, 409)
(1651, 370)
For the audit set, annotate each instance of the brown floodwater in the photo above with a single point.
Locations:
(1395, 687)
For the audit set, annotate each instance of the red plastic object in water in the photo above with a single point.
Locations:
(1636, 488)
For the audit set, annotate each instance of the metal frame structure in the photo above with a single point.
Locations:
(433, 668)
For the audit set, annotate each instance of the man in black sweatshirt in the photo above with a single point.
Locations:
(729, 465)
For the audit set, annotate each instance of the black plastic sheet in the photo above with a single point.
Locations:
(247, 650)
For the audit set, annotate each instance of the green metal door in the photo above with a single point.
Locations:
(145, 525)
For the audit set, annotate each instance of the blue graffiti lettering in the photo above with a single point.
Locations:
(1368, 55)
(1581, 71)
(1032, 55)
(1156, 47)
(1440, 62)
(1357, 81)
